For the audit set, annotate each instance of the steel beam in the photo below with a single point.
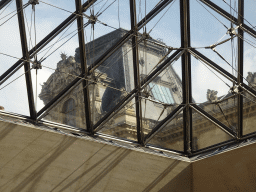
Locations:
(240, 70)
(186, 74)
(80, 23)
(163, 123)
(45, 41)
(4, 3)
(130, 95)
(25, 54)
(106, 55)
(214, 147)
(228, 16)
(136, 71)
(213, 65)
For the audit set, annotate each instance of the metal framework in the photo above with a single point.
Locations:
(185, 51)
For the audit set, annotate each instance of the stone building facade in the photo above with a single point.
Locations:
(115, 78)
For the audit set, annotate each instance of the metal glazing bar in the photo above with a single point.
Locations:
(47, 39)
(25, 53)
(213, 120)
(229, 17)
(163, 123)
(80, 23)
(136, 73)
(128, 35)
(186, 74)
(106, 55)
(240, 44)
(130, 95)
(219, 10)
(4, 3)
(213, 65)
(214, 147)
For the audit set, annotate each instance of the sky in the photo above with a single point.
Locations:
(205, 31)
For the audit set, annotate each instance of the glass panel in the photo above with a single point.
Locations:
(170, 136)
(249, 13)
(10, 50)
(206, 31)
(13, 94)
(207, 84)
(205, 133)
(59, 67)
(47, 16)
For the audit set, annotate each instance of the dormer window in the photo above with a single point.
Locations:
(161, 93)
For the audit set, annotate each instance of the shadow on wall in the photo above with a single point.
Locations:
(37, 174)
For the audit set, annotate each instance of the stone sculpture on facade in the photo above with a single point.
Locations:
(212, 95)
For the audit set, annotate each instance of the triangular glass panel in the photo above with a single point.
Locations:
(205, 133)
(207, 83)
(10, 51)
(122, 124)
(54, 69)
(13, 94)
(171, 136)
(42, 18)
(249, 13)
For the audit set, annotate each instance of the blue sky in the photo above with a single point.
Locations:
(205, 31)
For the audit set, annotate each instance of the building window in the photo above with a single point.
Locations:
(69, 112)
(161, 93)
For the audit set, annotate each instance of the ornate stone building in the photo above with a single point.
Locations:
(115, 78)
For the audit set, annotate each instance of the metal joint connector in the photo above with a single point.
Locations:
(37, 65)
(92, 19)
(33, 2)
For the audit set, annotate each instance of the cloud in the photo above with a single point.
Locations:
(203, 79)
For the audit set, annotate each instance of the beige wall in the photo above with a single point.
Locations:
(36, 160)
